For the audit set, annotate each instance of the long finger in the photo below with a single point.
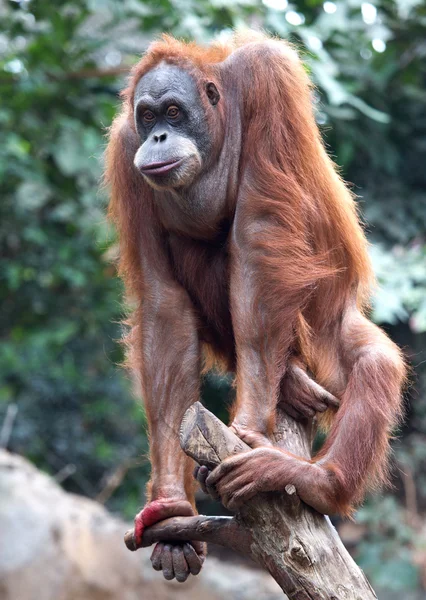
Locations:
(315, 387)
(320, 407)
(305, 410)
(233, 481)
(323, 395)
(242, 496)
(221, 470)
(330, 399)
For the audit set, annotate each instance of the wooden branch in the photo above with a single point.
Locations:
(298, 546)
(225, 531)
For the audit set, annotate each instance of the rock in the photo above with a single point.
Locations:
(59, 546)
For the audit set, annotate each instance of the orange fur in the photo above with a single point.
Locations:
(299, 274)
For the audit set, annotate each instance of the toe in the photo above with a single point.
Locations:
(156, 556)
(180, 566)
(193, 559)
(167, 562)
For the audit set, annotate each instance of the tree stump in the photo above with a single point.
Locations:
(298, 546)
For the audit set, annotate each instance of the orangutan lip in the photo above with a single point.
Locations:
(160, 167)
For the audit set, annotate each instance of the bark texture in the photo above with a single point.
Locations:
(298, 546)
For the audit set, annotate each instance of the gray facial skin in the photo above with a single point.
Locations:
(173, 150)
(190, 162)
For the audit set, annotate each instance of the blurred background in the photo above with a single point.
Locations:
(65, 404)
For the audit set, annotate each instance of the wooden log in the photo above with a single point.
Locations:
(225, 531)
(297, 545)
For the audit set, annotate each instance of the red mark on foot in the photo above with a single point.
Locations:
(156, 511)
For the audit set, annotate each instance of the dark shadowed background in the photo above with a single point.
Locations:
(64, 402)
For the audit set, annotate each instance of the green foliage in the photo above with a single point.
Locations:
(400, 297)
(386, 553)
(60, 298)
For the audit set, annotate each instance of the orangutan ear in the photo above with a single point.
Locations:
(212, 93)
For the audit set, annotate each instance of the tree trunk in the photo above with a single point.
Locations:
(297, 545)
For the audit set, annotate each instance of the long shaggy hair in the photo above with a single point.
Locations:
(313, 262)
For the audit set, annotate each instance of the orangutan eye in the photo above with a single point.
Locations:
(173, 112)
(148, 116)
